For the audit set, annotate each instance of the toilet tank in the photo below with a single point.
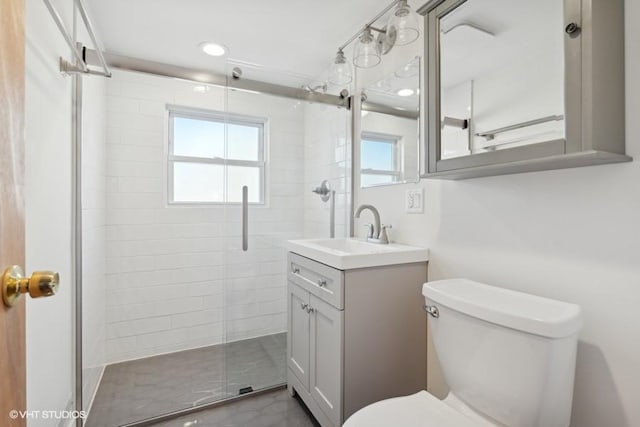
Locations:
(507, 355)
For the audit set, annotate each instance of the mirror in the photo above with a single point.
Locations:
(511, 86)
(389, 139)
(501, 75)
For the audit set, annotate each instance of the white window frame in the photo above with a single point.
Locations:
(220, 117)
(394, 140)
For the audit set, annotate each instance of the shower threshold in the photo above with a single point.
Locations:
(146, 391)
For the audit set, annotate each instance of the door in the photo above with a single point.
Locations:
(12, 322)
(326, 357)
(298, 340)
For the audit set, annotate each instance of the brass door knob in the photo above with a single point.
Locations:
(40, 284)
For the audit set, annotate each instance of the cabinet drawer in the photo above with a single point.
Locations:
(320, 280)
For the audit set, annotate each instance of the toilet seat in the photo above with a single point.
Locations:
(417, 410)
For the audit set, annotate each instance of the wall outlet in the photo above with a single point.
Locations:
(414, 201)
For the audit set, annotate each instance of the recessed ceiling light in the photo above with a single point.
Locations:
(213, 49)
(364, 113)
(201, 89)
(405, 92)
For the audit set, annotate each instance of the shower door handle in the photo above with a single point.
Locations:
(245, 218)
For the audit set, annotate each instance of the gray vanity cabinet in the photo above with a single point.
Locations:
(325, 356)
(299, 338)
(354, 336)
(314, 345)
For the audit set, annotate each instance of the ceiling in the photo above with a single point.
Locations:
(297, 38)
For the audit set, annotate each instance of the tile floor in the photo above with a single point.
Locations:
(273, 409)
(140, 389)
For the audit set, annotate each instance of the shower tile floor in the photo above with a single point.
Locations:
(139, 389)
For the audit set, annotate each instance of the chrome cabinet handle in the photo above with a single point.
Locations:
(322, 283)
(310, 310)
(304, 306)
(295, 270)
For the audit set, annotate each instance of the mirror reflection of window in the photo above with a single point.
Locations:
(389, 124)
(379, 162)
(502, 75)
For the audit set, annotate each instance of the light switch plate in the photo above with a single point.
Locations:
(414, 201)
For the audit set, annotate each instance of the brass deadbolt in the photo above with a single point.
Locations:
(40, 284)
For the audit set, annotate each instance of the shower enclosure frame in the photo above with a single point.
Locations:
(95, 58)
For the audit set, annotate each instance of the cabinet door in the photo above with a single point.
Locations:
(326, 358)
(298, 336)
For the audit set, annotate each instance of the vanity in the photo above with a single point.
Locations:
(356, 322)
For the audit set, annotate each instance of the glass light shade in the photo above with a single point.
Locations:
(383, 85)
(340, 72)
(410, 69)
(366, 53)
(405, 22)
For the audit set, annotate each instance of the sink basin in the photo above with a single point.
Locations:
(346, 254)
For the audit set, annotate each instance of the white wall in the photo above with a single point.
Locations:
(48, 210)
(167, 265)
(568, 234)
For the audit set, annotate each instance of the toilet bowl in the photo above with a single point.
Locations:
(417, 410)
(508, 358)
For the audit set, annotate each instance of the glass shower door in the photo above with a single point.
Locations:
(260, 218)
(277, 150)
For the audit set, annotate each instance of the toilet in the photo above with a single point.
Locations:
(507, 357)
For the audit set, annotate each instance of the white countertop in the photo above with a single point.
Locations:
(346, 254)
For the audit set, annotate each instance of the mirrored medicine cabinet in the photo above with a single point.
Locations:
(519, 86)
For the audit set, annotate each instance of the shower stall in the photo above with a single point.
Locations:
(191, 184)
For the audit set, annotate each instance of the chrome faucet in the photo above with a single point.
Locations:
(376, 233)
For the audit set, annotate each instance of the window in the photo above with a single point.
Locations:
(379, 162)
(213, 155)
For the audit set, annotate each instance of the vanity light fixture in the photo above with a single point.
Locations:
(405, 23)
(410, 69)
(213, 49)
(402, 28)
(340, 73)
(367, 53)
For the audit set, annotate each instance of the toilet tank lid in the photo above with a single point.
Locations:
(517, 310)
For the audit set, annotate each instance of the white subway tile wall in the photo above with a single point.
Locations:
(327, 156)
(176, 274)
